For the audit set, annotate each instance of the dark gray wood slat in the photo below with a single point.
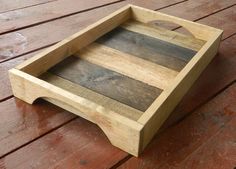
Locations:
(128, 91)
(149, 48)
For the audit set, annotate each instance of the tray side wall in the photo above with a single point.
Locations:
(121, 131)
(159, 111)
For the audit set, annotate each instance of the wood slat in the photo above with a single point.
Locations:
(18, 4)
(45, 12)
(20, 122)
(148, 48)
(93, 96)
(106, 82)
(79, 144)
(165, 35)
(181, 141)
(158, 76)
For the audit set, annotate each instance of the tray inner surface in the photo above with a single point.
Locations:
(126, 69)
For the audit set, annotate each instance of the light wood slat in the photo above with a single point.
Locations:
(134, 67)
(102, 100)
(165, 35)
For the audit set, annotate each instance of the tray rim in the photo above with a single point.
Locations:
(150, 121)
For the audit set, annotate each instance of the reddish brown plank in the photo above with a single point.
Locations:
(179, 142)
(218, 152)
(18, 4)
(21, 122)
(225, 20)
(45, 12)
(193, 10)
(153, 4)
(78, 144)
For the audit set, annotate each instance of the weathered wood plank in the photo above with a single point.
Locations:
(172, 147)
(93, 96)
(106, 82)
(20, 122)
(148, 48)
(18, 4)
(165, 35)
(45, 12)
(128, 65)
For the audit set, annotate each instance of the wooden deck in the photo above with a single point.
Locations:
(200, 133)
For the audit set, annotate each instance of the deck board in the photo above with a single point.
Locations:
(45, 12)
(210, 83)
(180, 142)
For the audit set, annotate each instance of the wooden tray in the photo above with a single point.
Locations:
(123, 73)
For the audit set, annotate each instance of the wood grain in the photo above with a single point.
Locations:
(165, 35)
(18, 4)
(106, 82)
(46, 12)
(148, 48)
(93, 96)
(173, 147)
(78, 144)
(33, 38)
(193, 10)
(21, 123)
(123, 63)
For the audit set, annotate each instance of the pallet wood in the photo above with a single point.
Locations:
(111, 84)
(159, 76)
(131, 136)
(176, 149)
(148, 48)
